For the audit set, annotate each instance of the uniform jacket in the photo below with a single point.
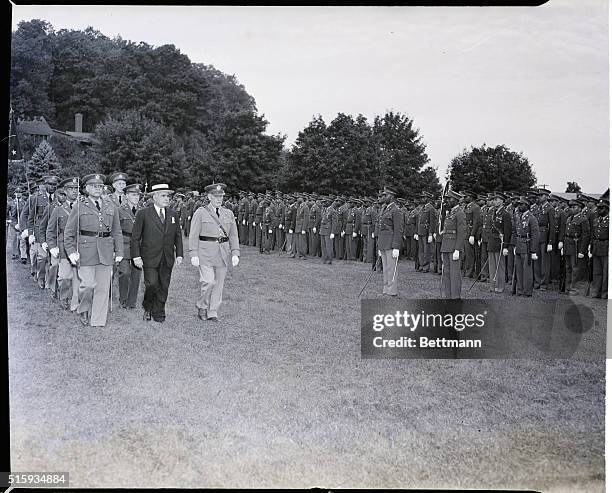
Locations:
(577, 234)
(33, 212)
(545, 214)
(473, 221)
(152, 239)
(302, 217)
(389, 227)
(126, 219)
(15, 209)
(453, 231)
(55, 227)
(213, 253)
(527, 233)
(314, 220)
(427, 220)
(94, 250)
(501, 224)
(487, 216)
(600, 235)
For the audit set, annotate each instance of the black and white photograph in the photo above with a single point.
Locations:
(307, 247)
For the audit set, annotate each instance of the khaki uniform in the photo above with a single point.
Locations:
(576, 241)
(389, 233)
(96, 235)
(129, 276)
(453, 238)
(599, 248)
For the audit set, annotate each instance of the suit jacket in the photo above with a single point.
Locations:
(152, 239)
(213, 253)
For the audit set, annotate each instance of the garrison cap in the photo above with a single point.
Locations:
(117, 175)
(216, 189)
(72, 182)
(94, 178)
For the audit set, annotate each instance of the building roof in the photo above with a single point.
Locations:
(38, 126)
(571, 195)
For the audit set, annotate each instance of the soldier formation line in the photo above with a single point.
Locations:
(77, 235)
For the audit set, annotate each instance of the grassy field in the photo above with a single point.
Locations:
(277, 395)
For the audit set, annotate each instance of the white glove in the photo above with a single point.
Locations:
(17, 226)
(74, 258)
(514, 250)
(281, 226)
(590, 255)
(379, 253)
(235, 260)
(395, 253)
(179, 260)
(24, 234)
(354, 235)
(479, 242)
(54, 252)
(471, 240)
(560, 245)
(195, 261)
(314, 230)
(456, 255)
(332, 236)
(118, 259)
(562, 251)
(32, 239)
(45, 246)
(416, 237)
(434, 236)
(269, 231)
(505, 252)
(372, 235)
(9, 221)
(253, 224)
(303, 232)
(581, 255)
(290, 231)
(429, 239)
(243, 222)
(549, 248)
(138, 262)
(342, 234)
(534, 256)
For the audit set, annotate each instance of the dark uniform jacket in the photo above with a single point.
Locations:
(526, 233)
(501, 224)
(427, 220)
(600, 235)
(33, 212)
(454, 230)
(56, 226)
(329, 221)
(577, 234)
(473, 221)
(126, 219)
(389, 227)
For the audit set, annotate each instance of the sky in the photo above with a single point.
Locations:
(532, 78)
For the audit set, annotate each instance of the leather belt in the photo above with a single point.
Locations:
(125, 233)
(523, 237)
(221, 239)
(99, 234)
(450, 231)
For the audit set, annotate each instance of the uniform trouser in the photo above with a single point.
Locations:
(438, 257)
(18, 243)
(53, 272)
(484, 260)
(349, 246)
(314, 248)
(279, 233)
(451, 276)
(187, 226)
(371, 248)
(555, 264)
(415, 252)
(424, 253)
(290, 243)
(390, 272)
(129, 282)
(211, 289)
(542, 267)
(302, 244)
(599, 284)
(497, 269)
(41, 264)
(575, 273)
(258, 236)
(33, 257)
(68, 282)
(339, 246)
(524, 273)
(93, 292)
(251, 233)
(157, 281)
(469, 260)
(327, 248)
(266, 239)
(510, 263)
(242, 232)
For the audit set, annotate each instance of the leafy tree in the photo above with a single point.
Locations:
(482, 169)
(43, 162)
(573, 187)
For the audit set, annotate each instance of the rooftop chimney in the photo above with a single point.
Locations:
(78, 122)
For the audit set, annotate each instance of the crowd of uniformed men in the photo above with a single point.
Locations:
(531, 239)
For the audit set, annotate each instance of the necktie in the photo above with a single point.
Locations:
(134, 210)
(98, 205)
(217, 212)
(161, 215)
(70, 204)
(119, 199)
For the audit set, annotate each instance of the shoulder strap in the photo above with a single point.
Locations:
(216, 219)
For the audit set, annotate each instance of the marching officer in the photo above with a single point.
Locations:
(68, 279)
(599, 250)
(52, 263)
(118, 180)
(525, 251)
(453, 243)
(16, 206)
(389, 234)
(212, 240)
(129, 275)
(575, 248)
(93, 239)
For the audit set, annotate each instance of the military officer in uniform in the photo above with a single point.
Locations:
(599, 250)
(68, 279)
(129, 275)
(545, 215)
(426, 227)
(19, 249)
(213, 245)
(118, 180)
(329, 222)
(93, 239)
(525, 251)
(53, 262)
(499, 242)
(473, 222)
(389, 233)
(453, 243)
(575, 248)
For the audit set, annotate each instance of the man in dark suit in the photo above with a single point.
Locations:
(156, 238)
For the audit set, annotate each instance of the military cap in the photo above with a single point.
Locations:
(18, 190)
(72, 182)
(454, 195)
(133, 188)
(522, 200)
(357, 201)
(160, 187)
(573, 202)
(117, 175)
(94, 178)
(179, 194)
(603, 203)
(469, 194)
(215, 188)
(586, 198)
(195, 193)
(496, 195)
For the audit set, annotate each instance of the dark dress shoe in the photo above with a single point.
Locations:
(146, 315)
(84, 318)
(213, 319)
(201, 313)
(159, 319)
(24, 261)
